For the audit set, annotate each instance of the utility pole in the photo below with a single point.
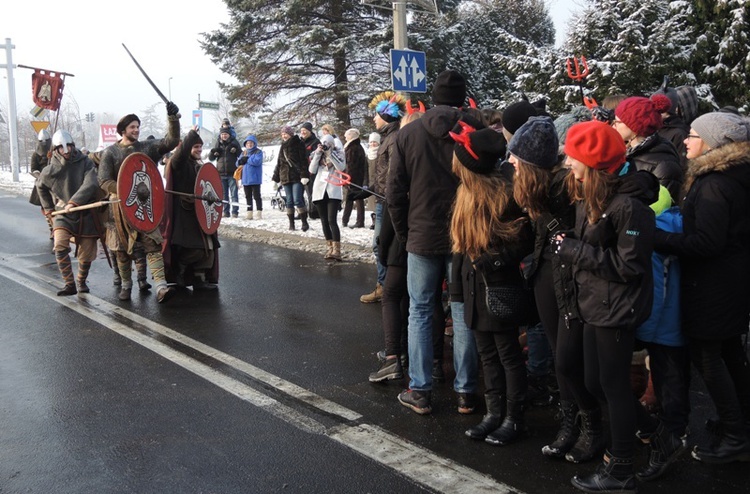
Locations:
(13, 116)
(400, 39)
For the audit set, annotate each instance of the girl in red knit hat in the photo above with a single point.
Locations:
(610, 249)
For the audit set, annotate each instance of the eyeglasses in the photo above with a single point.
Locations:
(617, 121)
(693, 136)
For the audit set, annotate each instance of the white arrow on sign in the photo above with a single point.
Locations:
(400, 72)
(416, 75)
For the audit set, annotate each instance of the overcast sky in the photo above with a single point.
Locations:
(84, 38)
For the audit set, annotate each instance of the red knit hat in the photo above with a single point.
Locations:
(641, 115)
(596, 145)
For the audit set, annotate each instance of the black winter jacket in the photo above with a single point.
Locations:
(612, 260)
(382, 163)
(714, 248)
(658, 156)
(226, 153)
(675, 130)
(421, 186)
(291, 166)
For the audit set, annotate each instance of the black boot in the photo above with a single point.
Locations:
(665, 448)
(733, 445)
(305, 224)
(512, 428)
(291, 219)
(492, 420)
(591, 440)
(568, 433)
(613, 475)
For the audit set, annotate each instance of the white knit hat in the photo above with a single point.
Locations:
(374, 137)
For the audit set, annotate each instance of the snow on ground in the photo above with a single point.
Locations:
(272, 229)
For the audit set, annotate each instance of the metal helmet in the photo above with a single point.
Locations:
(43, 135)
(62, 138)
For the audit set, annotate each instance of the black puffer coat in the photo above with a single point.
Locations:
(658, 156)
(714, 248)
(226, 153)
(612, 260)
(421, 186)
(291, 166)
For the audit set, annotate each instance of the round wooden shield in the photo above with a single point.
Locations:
(141, 192)
(208, 186)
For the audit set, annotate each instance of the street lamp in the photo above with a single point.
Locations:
(170, 88)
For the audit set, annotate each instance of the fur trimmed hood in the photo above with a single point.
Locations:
(727, 159)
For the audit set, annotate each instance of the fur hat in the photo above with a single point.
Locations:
(307, 125)
(125, 121)
(374, 137)
(351, 134)
(565, 121)
(191, 139)
(597, 145)
(516, 115)
(642, 115)
(449, 89)
(536, 142)
(477, 150)
(288, 130)
(720, 128)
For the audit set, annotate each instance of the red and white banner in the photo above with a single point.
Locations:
(47, 89)
(107, 135)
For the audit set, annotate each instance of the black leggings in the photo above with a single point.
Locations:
(395, 310)
(253, 192)
(566, 341)
(502, 364)
(607, 354)
(328, 209)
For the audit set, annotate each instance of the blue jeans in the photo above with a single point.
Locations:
(229, 184)
(465, 360)
(294, 195)
(376, 233)
(540, 353)
(424, 275)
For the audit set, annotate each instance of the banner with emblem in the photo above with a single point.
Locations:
(47, 89)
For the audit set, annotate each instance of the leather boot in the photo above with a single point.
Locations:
(492, 419)
(512, 428)
(336, 252)
(665, 448)
(329, 249)
(125, 291)
(290, 214)
(374, 296)
(303, 217)
(568, 433)
(733, 445)
(591, 439)
(613, 475)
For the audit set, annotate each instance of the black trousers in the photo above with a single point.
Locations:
(670, 374)
(252, 192)
(328, 209)
(502, 364)
(395, 310)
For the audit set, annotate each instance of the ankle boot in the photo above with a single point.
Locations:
(665, 448)
(591, 439)
(303, 217)
(249, 215)
(732, 445)
(290, 214)
(492, 420)
(568, 433)
(336, 252)
(613, 475)
(512, 428)
(258, 215)
(329, 250)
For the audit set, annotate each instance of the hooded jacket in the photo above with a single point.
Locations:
(612, 259)
(382, 162)
(658, 156)
(421, 185)
(251, 161)
(714, 248)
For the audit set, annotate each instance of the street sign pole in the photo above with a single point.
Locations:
(12, 115)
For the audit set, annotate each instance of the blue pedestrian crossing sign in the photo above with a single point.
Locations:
(409, 71)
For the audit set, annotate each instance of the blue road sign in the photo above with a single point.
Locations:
(408, 71)
(198, 118)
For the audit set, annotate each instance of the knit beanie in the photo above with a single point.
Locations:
(565, 121)
(307, 125)
(642, 115)
(351, 134)
(674, 101)
(224, 131)
(288, 130)
(720, 128)
(125, 121)
(449, 89)
(517, 114)
(191, 139)
(597, 145)
(374, 137)
(478, 150)
(536, 142)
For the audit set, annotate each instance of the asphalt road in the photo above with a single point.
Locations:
(261, 387)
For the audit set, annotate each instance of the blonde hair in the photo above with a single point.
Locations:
(531, 188)
(409, 118)
(328, 128)
(481, 203)
(596, 190)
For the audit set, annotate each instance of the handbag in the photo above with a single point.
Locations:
(238, 173)
(509, 304)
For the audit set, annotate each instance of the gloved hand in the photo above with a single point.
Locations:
(217, 154)
(233, 150)
(172, 109)
(305, 181)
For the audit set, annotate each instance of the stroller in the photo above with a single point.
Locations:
(278, 201)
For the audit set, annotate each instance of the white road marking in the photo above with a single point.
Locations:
(414, 462)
